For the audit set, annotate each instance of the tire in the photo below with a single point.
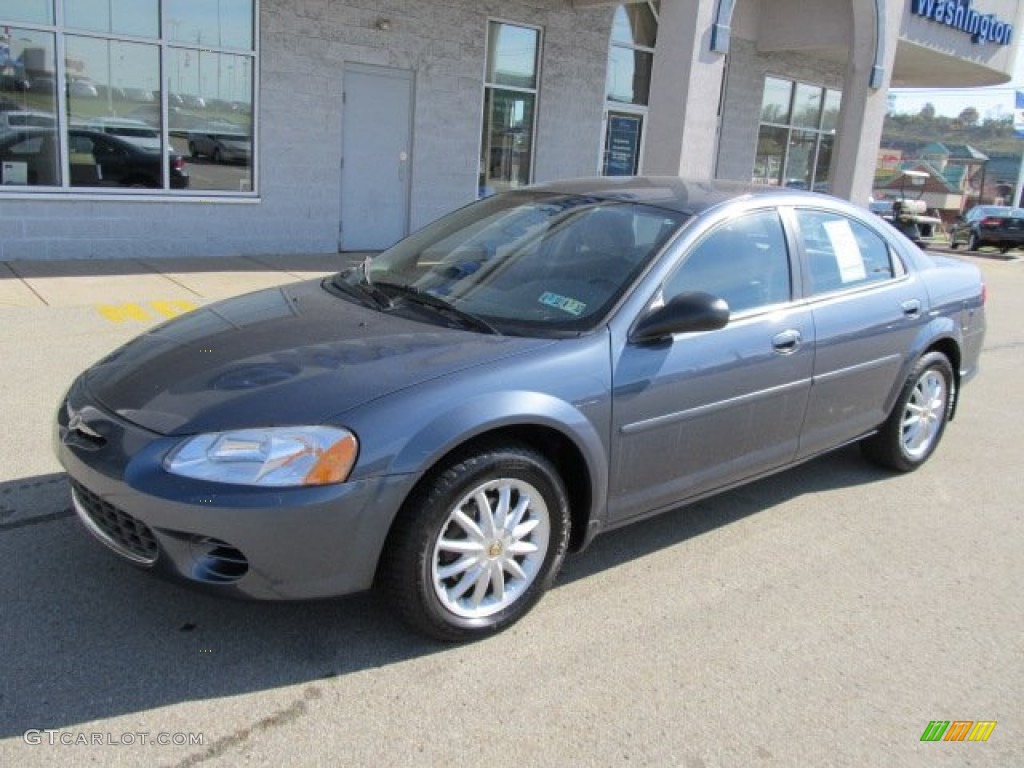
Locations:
(973, 243)
(217, 157)
(918, 419)
(193, 150)
(450, 577)
(953, 244)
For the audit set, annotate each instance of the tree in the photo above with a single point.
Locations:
(969, 117)
(927, 111)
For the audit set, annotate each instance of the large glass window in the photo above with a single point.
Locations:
(510, 101)
(157, 94)
(29, 11)
(796, 134)
(628, 86)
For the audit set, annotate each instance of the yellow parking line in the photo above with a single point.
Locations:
(157, 310)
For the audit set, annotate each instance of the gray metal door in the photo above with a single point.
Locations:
(376, 157)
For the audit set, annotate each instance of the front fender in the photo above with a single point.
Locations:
(492, 412)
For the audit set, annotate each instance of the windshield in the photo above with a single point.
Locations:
(528, 262)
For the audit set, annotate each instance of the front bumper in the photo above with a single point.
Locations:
(259, 543)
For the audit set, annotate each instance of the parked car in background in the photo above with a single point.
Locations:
(15, 119)
(989, 225)
(80, 88)
(449, 419)
(140, 95)
(95, 160)
(221, 142)
(137, 132)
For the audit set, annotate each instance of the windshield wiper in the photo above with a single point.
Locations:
(364, 289)
(425, 299)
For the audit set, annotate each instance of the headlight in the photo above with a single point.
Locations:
(275, 456)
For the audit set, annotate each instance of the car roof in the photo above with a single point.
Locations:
(678, 194)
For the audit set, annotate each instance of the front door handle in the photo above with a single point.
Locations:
(787, 342)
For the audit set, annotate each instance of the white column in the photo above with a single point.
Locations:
(861, 118)
(686, 86)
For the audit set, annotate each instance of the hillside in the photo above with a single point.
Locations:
(993, 137)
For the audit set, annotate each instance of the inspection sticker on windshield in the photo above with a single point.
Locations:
(564, 303)
(848, 256)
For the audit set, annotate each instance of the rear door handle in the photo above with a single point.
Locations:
(787, 342)
(911, 307)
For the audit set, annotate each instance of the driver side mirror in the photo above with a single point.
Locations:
(688, 312)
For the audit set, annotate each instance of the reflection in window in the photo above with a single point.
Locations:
(215, 23)
(629, 75)
(32, 11)
(114, 131)
(211, 117)
(745, 262)
(138, 18)
(28, 93)
(796, 135)
(636, 24)
(510, 98)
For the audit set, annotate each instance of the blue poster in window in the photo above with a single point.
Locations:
(623, 145)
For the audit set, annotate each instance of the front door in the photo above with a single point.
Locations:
(376, 157)
(709, 409)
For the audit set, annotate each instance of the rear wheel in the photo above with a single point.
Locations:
(475, 548)
(915, 425)
(973, 243)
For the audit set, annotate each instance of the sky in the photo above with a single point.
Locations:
(994, 102)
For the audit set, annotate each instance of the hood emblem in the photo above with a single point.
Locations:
(77, 424)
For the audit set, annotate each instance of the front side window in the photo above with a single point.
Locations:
(510, 107)
(796, 134)
(169, 84)
(745, 262)
(842, 252)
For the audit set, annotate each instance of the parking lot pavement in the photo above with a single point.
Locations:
(822, 617)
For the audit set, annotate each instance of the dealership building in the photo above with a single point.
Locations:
(143, 128)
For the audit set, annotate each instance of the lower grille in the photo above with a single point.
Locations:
(117, 529)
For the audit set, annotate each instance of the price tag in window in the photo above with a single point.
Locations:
(848, 256)
(14, 173)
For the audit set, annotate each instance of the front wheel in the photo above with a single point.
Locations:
(915, 425)
(478, 544)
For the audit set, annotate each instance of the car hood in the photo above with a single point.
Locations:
(282, 356)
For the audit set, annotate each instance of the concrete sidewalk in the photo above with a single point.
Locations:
(191, 280)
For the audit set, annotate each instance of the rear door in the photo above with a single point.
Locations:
(707, 409)
(867, 311)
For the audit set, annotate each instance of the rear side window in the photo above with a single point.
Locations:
(842, 252)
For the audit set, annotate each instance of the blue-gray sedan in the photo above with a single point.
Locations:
(450, 418)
